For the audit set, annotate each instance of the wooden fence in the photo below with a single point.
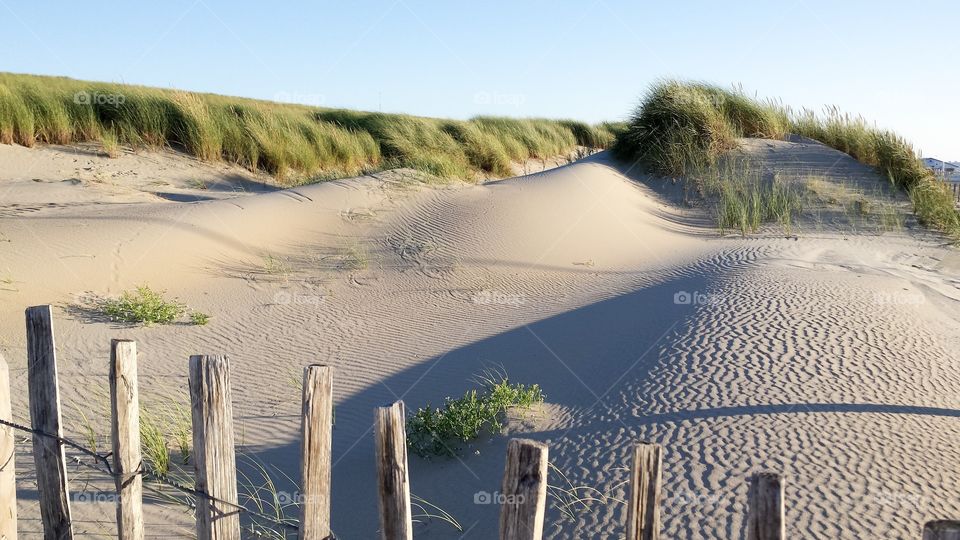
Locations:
(955, 189)
(523, 489)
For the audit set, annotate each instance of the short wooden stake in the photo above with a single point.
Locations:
(643, 510)
(8, 480)
(48, 452)
(766, 507)
(941, 530)
(317, 431)
(125, 435)
(215, 461)
(524, 490)
(393, 477)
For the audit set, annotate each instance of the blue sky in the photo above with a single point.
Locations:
(896, 63)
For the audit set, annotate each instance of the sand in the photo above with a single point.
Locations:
(828, 354)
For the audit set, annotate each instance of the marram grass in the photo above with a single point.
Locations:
(683, 128)
(294, 143)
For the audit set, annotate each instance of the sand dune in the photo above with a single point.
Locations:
(829, 356)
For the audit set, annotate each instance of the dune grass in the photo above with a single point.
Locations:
(294, 143)
(685, 127)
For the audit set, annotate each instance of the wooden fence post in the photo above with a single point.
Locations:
(941, 529)
(524, 490)
(766, 507)
(393, 477)
(8, 480)
(48, 453)
(125, 435)
(215, 460)
(643, 511)
(317, 431)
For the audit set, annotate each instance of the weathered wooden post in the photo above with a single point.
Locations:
(8, 480)
(643, 510)
(941, 529)
(48, 452)
(766, 507)
(393, 477)
(524, 490)
(317, 428)
(125, 435)
(215, 460)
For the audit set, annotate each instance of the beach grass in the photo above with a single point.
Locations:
(682, 128)
(294, 143)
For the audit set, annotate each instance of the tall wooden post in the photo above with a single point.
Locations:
(941, 530)
(524, 491)
(215, 461)
(393, 477)
(48, 452)
(766, 507)
(125, 435)
(317, 428)
(643, 510)
(8, 480)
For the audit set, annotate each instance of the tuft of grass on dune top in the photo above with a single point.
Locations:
(294, 143)
(683, 128)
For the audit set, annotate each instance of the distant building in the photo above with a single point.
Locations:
(948, 171)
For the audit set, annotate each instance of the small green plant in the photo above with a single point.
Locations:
(440, 431)
(143, 305)
(275, 265)
(198, 183)
(198, 318)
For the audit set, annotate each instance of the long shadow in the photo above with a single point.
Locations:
(578, 357)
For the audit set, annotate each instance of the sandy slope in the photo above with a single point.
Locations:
(830, 357)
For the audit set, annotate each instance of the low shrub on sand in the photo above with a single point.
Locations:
(441, 431)
(146, 306)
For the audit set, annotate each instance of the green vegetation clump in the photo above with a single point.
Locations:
(143, 305)
(295, 143)
(683, 128)
(440, 431)
(146, 306)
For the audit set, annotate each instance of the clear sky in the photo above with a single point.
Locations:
(896, 63)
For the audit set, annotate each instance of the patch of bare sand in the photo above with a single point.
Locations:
(826, 357)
